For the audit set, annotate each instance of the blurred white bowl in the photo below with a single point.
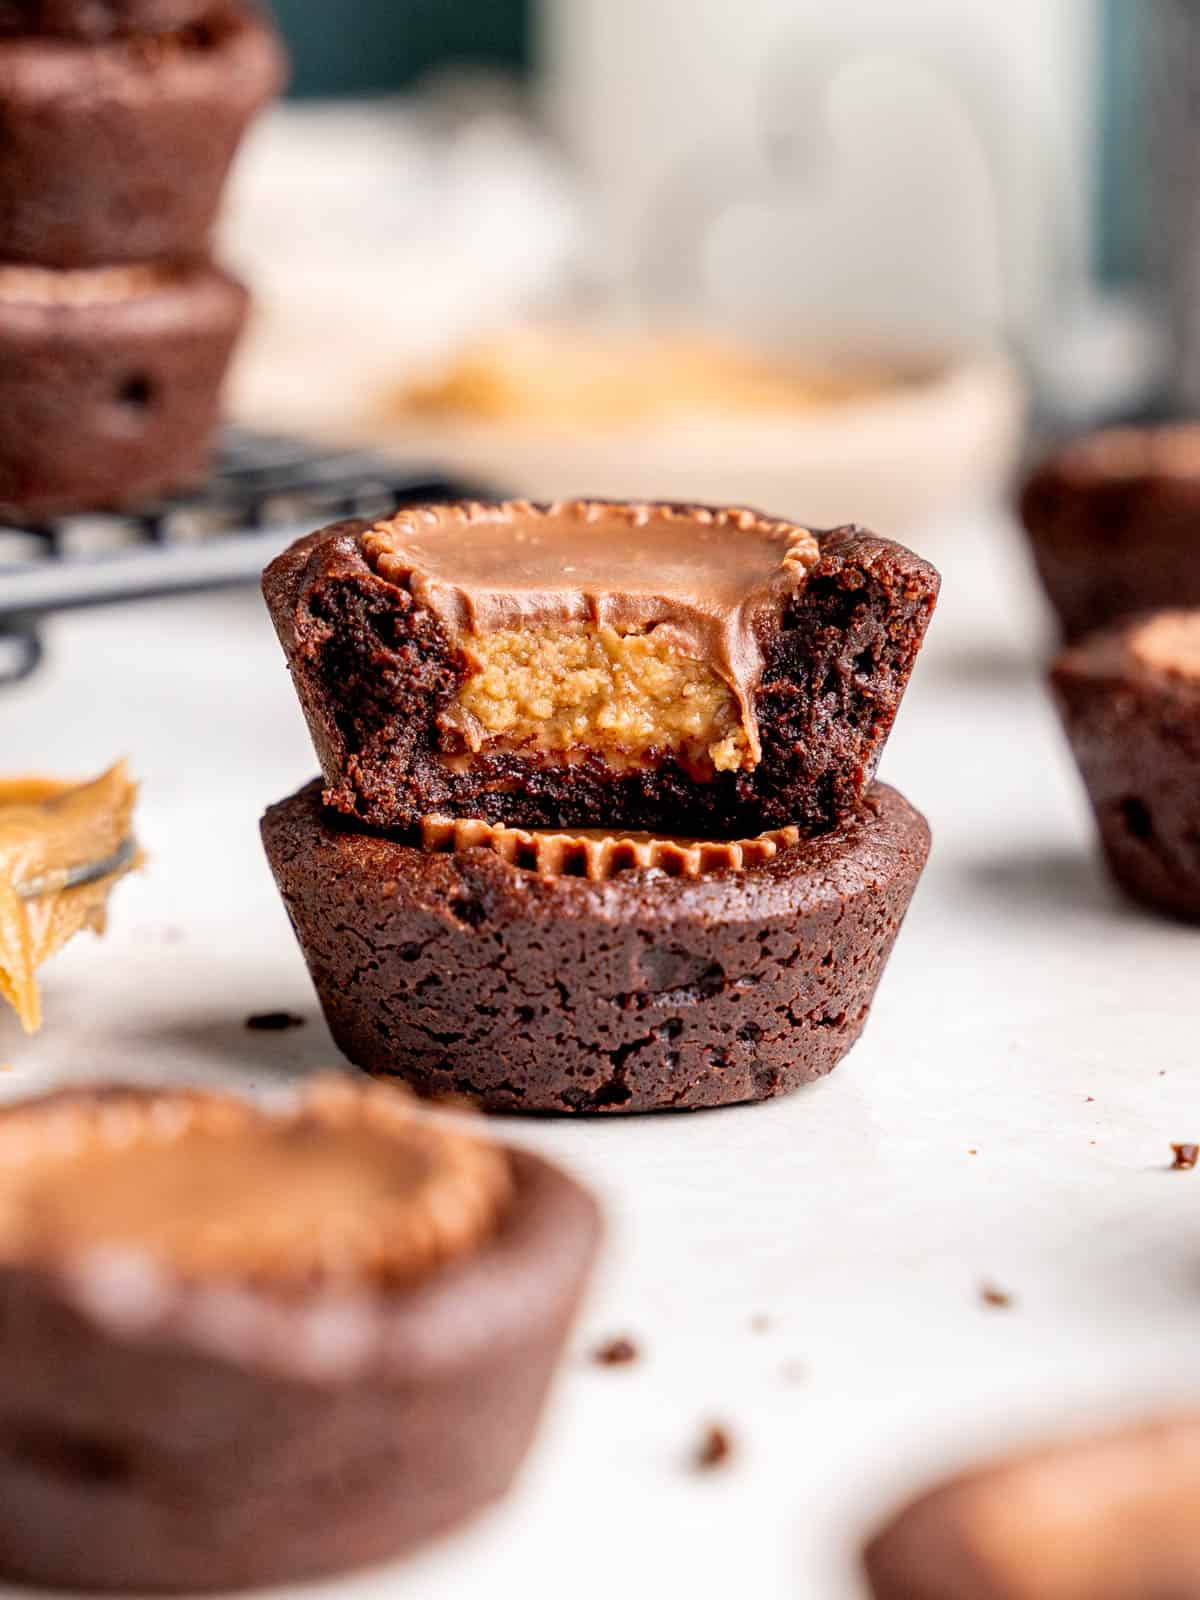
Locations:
(892, 459)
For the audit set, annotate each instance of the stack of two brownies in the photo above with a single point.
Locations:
(120, 119)
(599, 829)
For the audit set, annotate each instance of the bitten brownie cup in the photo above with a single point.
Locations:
(110, 382)
(119, 151)
(242, 1347)
(1114, 523)
(1129, 698)
(1106, 1518)
(595, 664)
(101, 19)
(596, 974)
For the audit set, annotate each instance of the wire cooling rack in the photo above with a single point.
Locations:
(263, 491)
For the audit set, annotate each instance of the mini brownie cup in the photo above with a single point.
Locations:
(1130, 702)
(1114, 523)
(110, 382)
(242, 1348)
(626, 989)
(594, 664)
(1106, 1518)
(119, 151)
(102, 19)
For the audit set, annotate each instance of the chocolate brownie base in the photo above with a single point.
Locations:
(464, 973)
(1114, 524)
(1135, 732)
(374, 670)
(102, 19)
(165, 1435)
(1106, 1518)
(107, 397)
(119, 152)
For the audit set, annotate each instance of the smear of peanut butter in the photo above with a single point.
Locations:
(48, 827)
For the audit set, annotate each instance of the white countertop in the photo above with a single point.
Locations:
(957, 1144)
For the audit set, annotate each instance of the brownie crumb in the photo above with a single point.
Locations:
(616, 1353)
(714, 1449)
(1186, 1157)
(273, 1021)
(992, 1296)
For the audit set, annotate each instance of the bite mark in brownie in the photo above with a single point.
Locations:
(738, 693)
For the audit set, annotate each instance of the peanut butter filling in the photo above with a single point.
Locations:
(632, 631)
(587, 687)
(351, 1186)
(597, 854)
(48, 829)
(1170, 643)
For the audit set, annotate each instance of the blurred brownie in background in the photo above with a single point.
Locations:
(110, 382)
(102, 19)
(119, 151)
(1114, 524)
(1129, 698)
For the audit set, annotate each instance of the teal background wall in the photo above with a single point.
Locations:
(1120, 159)
(364, 46)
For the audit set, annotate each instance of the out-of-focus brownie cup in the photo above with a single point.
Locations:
(119, 151)
(590, 664)
(1130, 702)
(240, 1347)
(1106, 1518)
(110, 382)
(1114, 524)
(630, 989)
(102, 19)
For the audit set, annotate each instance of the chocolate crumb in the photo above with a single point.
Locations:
(1090, 1099)
(616, 1353)
(273, 1021)
(991, 1296)
(1186, 1157)
(715, 1447)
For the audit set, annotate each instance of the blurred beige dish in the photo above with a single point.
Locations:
(554, 412)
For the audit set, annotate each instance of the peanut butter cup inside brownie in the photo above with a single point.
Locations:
(1129, 698)
(569, 974)
(1114, 524)
(593, 664)
(244, 1346)
(1106, 1518)
(119, 151)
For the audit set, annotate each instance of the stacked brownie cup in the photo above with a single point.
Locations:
(599, 829)
(121, 119)
(1114, 524)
